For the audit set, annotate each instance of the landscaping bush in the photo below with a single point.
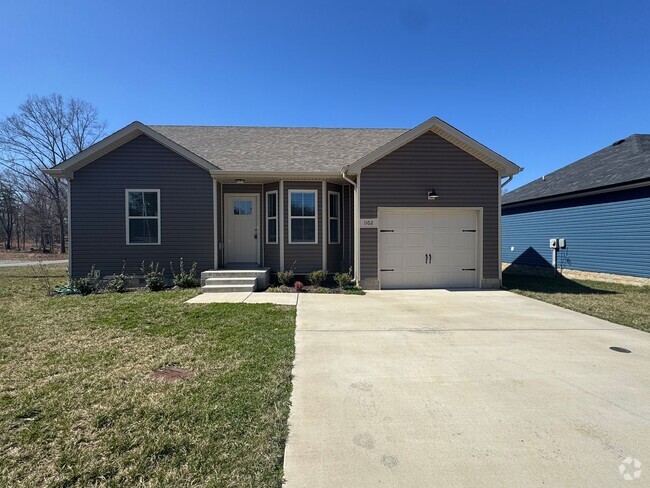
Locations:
(298, 285)
(154, 279)
(344, 280)
(87, 285)
(316, 278)
(183, 279)
(119, 283)
(285, 277)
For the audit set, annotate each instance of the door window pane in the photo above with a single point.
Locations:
(242, 207)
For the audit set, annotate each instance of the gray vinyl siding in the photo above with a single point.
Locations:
(304, 258)
(98, 214)
(271, 251)
(403, 178)
(335, 251)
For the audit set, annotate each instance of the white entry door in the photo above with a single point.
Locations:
(432, 248)
(242, 229)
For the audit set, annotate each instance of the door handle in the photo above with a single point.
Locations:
(426, 258)
(429, 258)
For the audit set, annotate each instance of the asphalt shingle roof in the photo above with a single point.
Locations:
(623, 162)
(290, 149)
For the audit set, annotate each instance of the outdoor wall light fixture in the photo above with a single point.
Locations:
(240, 181)
(432, 195)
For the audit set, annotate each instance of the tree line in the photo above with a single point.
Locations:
(43, 132)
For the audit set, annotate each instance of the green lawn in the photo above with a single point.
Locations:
(77, 406)
(622, 304)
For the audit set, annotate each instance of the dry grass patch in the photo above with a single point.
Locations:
(78, 406)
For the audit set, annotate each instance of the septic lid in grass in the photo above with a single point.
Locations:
(170, 374)
(619, 349)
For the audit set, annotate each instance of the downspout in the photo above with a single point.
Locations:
(508, 180)
(355, 226)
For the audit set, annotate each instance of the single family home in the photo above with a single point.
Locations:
(599, 205)
(416, 208)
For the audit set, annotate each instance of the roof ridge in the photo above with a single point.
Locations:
(274, 127)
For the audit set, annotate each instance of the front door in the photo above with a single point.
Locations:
(242, 229)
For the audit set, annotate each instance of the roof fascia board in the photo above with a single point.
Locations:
(117, 139)
(447, 132)
(577, 194)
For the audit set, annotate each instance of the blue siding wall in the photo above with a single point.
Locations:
(607, 233)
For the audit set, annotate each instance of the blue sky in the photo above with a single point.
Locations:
(543, 83)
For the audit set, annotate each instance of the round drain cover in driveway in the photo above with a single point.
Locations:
(619, 349)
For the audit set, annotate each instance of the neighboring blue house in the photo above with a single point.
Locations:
(600, 204)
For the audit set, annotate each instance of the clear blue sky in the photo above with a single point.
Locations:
(543, 83)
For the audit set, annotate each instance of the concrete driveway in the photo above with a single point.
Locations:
(464, 389)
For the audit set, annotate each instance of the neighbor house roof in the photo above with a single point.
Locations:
(282, 150)
(624, 162)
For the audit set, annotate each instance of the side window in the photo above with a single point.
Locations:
(334, 216)
(143, 216)
(272, 217)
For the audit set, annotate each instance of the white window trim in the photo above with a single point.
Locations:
(315, 217)
(128, 217)
(330, 218)
(277, 212)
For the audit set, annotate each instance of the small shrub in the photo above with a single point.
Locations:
(316, 278)
(87, 285)
(285, 277)
(119, 283)
(183, 279)
(343, 280)
(154, 279)
(299, 286)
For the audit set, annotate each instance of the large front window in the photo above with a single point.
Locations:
(143, 216)
(302, 217)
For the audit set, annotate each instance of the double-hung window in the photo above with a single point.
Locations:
(143, 216)
(334, 217)
(272, 217)
(302, 217)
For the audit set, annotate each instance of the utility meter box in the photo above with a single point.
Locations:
(553, 244)
(561, 243)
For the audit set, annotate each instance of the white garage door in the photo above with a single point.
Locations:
(428, 248)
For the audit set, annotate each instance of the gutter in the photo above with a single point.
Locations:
(356, 229)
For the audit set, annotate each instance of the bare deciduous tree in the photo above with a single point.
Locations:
(9, 208)
(44, 132)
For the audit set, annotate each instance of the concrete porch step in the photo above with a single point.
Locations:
(227, 288)
(231, 281)
(235, 279)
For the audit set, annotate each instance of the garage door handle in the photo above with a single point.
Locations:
(469, 269)
(386, 230)
(426, 258)
(469, 230)
(386, 270)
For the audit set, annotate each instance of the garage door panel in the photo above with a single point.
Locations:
(440, 238)
(450, 238)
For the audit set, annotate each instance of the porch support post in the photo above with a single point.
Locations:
(281, 224)
(325, 214)
(215, 222)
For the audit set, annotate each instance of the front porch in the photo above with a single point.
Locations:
(266, 223)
